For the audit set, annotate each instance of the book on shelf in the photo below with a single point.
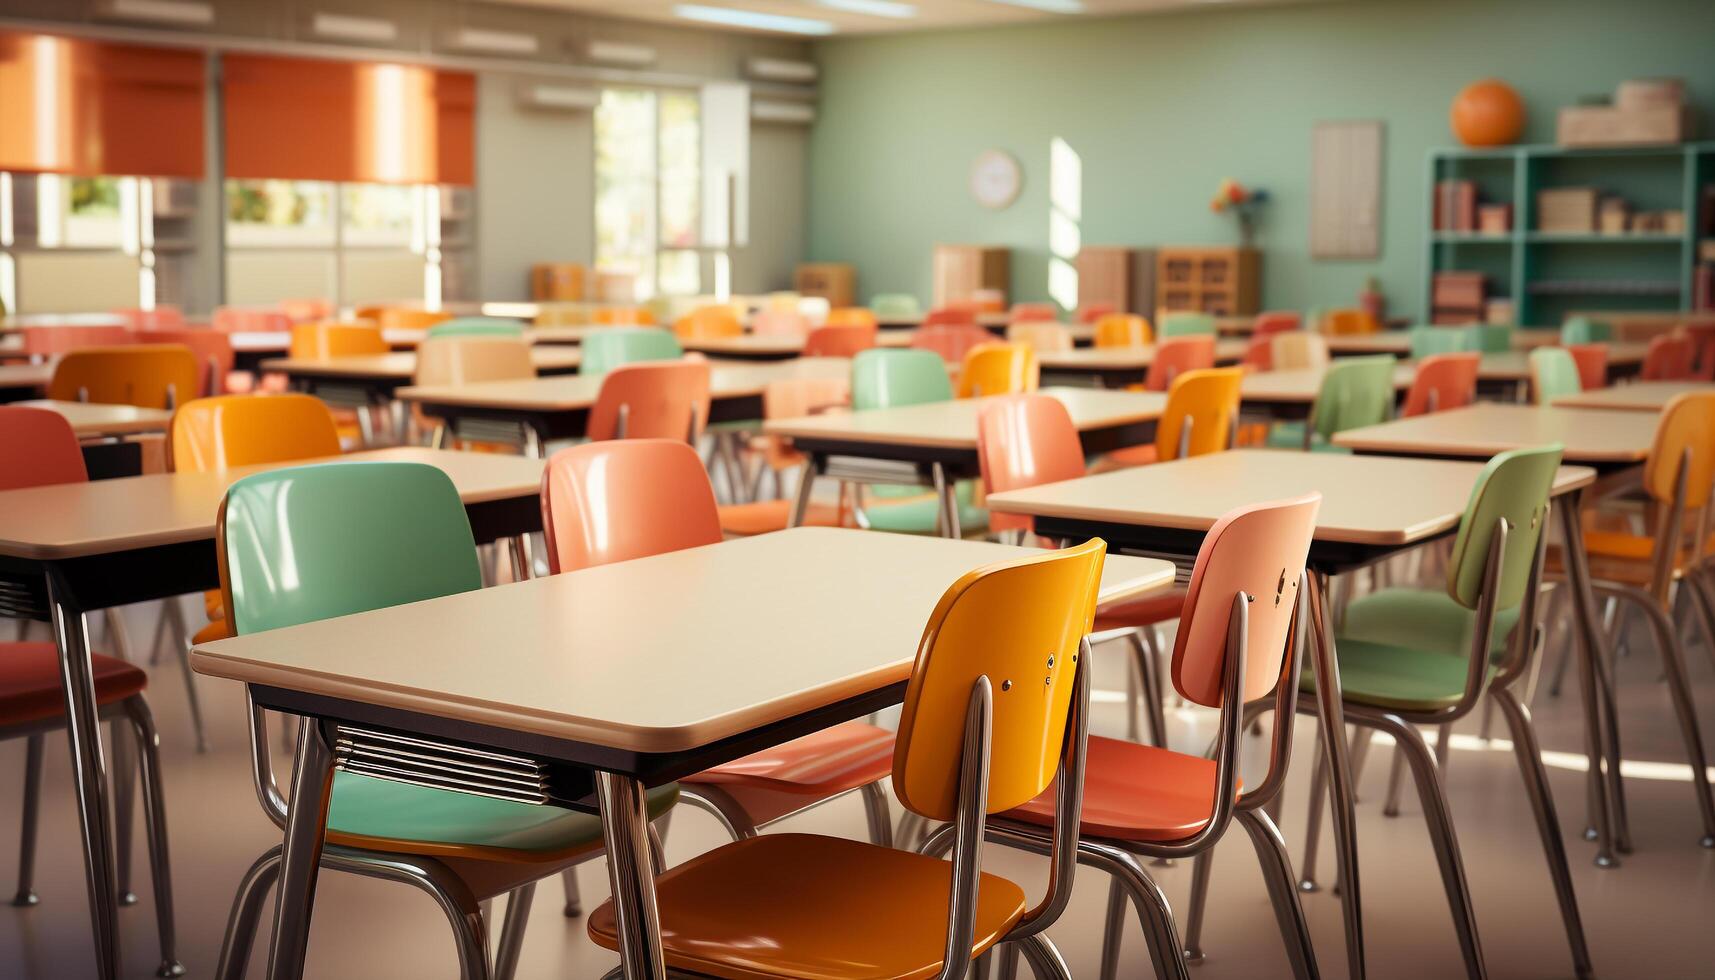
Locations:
(1455, 206)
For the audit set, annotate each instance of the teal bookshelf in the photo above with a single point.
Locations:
(1548, 275)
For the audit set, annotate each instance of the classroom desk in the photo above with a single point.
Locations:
(604, 696)
(21, 381)
(1608, 441)
(1290, 394)
(102, 431)
(74, 548)
(1371, 508)
(935, 444)
(1119, 366)
(17, 321)
(1639, 396)
(365, 380)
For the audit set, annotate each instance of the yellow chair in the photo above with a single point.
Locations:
(1338, 323)
(1040, 336)
(851, 316)
(998, 369)
(145, 375)
(995, 710)
(1123, 330)
(1202, 411)
(708, 323)
(320, 341)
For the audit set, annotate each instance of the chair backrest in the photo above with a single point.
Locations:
(655, 400)
(889, 306)
(1491, 338)
(1259, 354)
(1040, 335)
(253, 319)
(1025, 441)
(950, 315)
(1207, 400)
(1592, 362)
(1176, 355)
(230, 431)
(1183, 324)
(792, 398)
(330, 539)
(1033, 313)
(850, 315)
(708, 323)
(1259, 550)
(1429, 341)
(38, 447)
(1089, 313)
(1123, 330)
(1702, 350)
(1298, 349)
(604, 350)
(1683, 435)
(888, 377)
(159, 318)
(213, 349)
(614, 501)
(616, 316)
(1553, 374)
(999, 369)
(1275, 321)
(1583, 330)
(1346, 322)
(1355, 392)
(409, 318)
(1019, 623)
(477, 326)
(1669, 357)
(951, 341)
(320, 341)
(145, 375)
(1442, 381)
(779, 323)
(468, 358)
(839, 340)
(300, 310)
(48, 341)
(1514, 485)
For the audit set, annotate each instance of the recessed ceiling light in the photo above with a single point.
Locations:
(874, 8)
(729, 17)
(1052, 6)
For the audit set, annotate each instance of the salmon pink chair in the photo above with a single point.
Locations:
(39, 449)
(1442, 381)
(1275, 321)
(788, 399)
(1592, 363)
(213, 351)
(846, 316)
(1040, 335)
(950, 316)
(839, 341)
(44, 342)
(951, 341)
(145, 375)
(1033, 313)
(305, 310)
(252, 319)
(1089, 313)
(1123, 330)
(1237, 644)
(1176, 355)
(652, 400)
(159, 318)
(969, 746)
(1668, 358)
(998, 369)
(1259, 354)
(779, 323)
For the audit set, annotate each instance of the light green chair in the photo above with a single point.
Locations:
(1428, 341)
(477, 326)
(1553, 374)
(895, 306)
(608, 348)
(892, 378)
(1491, 338)
(1185, 325)
(1355, 392)
(1583, 330)
(364, 536)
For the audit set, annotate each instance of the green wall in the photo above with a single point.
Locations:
(1160, 107)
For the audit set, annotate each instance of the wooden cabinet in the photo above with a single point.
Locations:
(961, 271)
(556, 281)
(1105, 276)
(1219, 280)
(835, 282)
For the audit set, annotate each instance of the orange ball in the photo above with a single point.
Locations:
(1487, 113)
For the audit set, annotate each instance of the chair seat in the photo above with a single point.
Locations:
(917, 514)
(1399, 678)
(383, 815)
(763, 516)
(30, 689)
(1611, 568)
(832, 760)
(1126, 457)
(1147, 611)
(1290, 435)
(213, 605)
(215, 630)
(813, 908)
(1135, 792)
(1423, 619)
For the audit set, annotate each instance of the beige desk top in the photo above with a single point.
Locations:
(781, 345)
(25, 375)
(1365, 499)
(19, 322)
(953, 424)
(1124, 358)
(1486, 428)
(403, 364)
(601, 657)
(105, 420)
(564, 393)
(69, 520)
(1639, 396)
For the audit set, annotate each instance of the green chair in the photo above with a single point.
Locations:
(477, 326)
(1491, 338)
(609, 347)
(364, 536)
(1185, 325)
(887, 377)
(895, 306)
(1583, 330)
(1429, 341)
(1553, 374)
(1355, 392)
(1410, 657)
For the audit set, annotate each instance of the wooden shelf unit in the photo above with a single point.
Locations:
(1214, 279)
(960, 271)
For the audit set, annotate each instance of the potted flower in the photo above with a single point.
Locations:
(1243, 203)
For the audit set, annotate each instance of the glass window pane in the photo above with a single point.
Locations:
(377, 214)
(681, 168)
(279, 212)
(625, 184)
(93, 218)
(680, 273)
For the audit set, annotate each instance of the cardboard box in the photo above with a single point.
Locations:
(1706, 250)
(1495, 219)
(1499, 313)
(1614, 216)
(1567, 209)
(556, 281)
(1643, 93)
(1458, 291)
(835, 282)
(1660, 222)
(1649, 125)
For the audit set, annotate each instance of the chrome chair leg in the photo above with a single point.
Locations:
(1443, 746)
(1150, 681)
(1009, 962)
(1313, 819)
(155, 823)
(246, 915)
(1045, 961)
(712, 801)
(1395, 784)
(1673, 663)
(1276, 867)
(32, 800)
(194, 703)
(1154, 914)
(512, 931)
(1361, 739)
(876, 811)
(123, 777)
(1134, 697)
(1112, 932)
(1201, 865)
(982, 966)
(574, 898)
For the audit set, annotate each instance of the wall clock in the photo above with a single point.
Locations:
(995, 179)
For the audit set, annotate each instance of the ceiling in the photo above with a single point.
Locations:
(872, 16)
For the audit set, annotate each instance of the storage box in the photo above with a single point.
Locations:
(1567, 209)
(1642, 93)
(1660, 222)
(1495, 219)
(1649, 125)
(1614, 216)
(1499, 313)
(1706, 250)
(835, 282)
(556, 281)
(1458, 290)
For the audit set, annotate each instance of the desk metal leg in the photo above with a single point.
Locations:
(1344, 806)
(806, 486)
(301, 855)
(83, 732)
(630, 870)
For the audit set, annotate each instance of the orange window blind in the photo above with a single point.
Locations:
(303, 119)
(75, 106)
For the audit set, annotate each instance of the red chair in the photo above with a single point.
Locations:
(42, 342)
(617, 501)
(1089, 313)
(1259, 354)
(1276, 321)
(1703, 347)
(951, 341)
(1176, 355)
(950, 316)
(1033, 313)
(1668, 358)
(37, 449)
(213, 351)
(840, 340)
(652, 400)
(1592, 361)
(1442, 381)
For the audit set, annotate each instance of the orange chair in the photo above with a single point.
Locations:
(951, 316)
(788, 399)
(793, 905)
(39, 449)
(320, 341)
(1033, 313)
(213, 350)
(779, 323)
(1347, 322)
(306, 310)
(616, 501)
(617, 316)
(145, 375)
(708, 323)
(249, 319)
(998, 369)
(1089, 313)
(951, 341)
(1668, 358)
(1442, 381)
(839, 341)
(1123, 330)
(1592, 362)
(159, 318)
(1275, 321)
(43, 342)
(1176, 355)
(408, 318)
(1201, 414)
(652, 400)
(848, 316)
(1040, 336)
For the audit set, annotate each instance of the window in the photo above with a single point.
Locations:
(96, 231)
(279, 212)
(648, 189)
